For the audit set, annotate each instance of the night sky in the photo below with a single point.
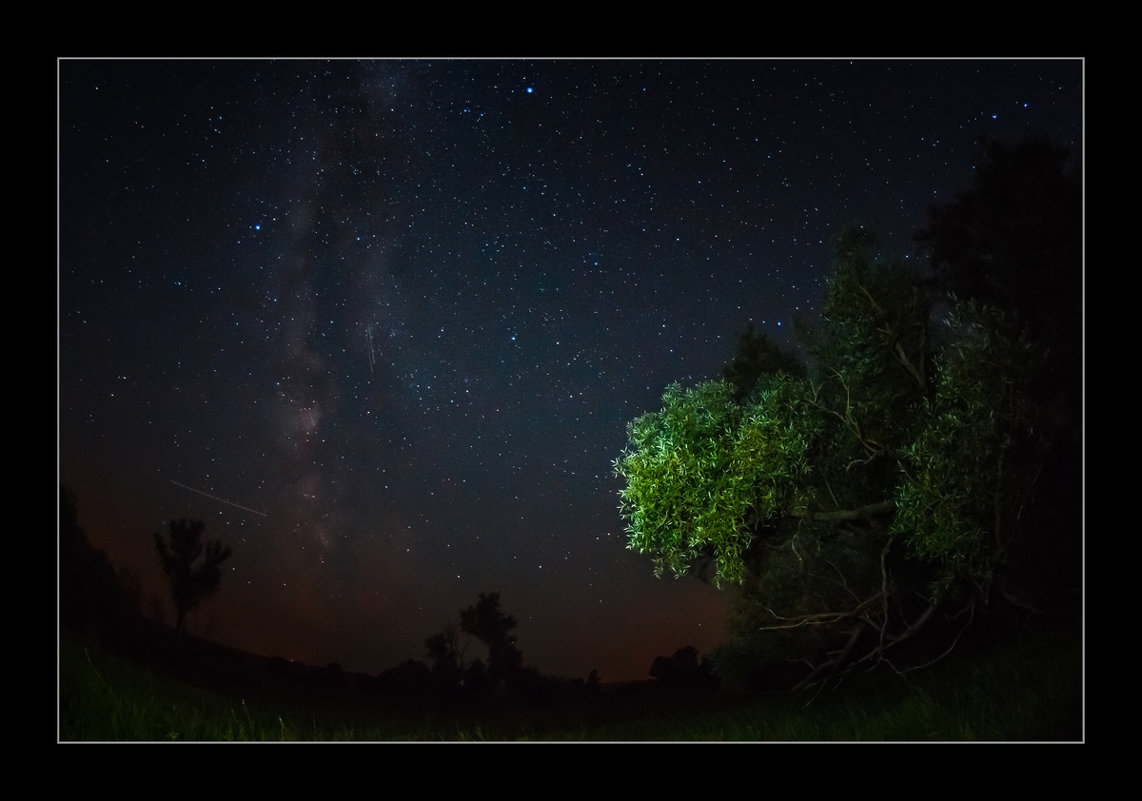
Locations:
(382, 324)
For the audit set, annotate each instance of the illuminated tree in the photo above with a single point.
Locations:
(853, 502)
(192, 579)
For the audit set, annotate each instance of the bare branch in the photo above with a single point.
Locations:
(861, 512)
(822, 618)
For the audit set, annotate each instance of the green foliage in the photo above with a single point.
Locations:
(871, 350)
(965, 476)
(702, 471)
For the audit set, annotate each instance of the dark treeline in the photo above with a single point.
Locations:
(474, 663)
(94, 597)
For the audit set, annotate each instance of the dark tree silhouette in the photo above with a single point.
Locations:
(92, 593)
(445, 655)
(754, 357)
(487, 623)
(191, 580)
(1014, 241)
(680, 668)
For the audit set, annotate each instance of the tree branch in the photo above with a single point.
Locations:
(861, 512)
(872, 448)
(894, 339)
(911, 368)
(822, 618)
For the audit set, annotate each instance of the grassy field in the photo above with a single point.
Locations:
(1028, 689)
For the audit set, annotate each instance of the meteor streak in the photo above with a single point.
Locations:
(369, 338)
(220, 500)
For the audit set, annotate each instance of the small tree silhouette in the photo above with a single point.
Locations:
(190, 583)
(487, 623)
(446, 654)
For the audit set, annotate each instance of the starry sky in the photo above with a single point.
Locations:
(381, 324)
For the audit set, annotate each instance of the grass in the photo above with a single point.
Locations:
(1028, 689)
(105, 697)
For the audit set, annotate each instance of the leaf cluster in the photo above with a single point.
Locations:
(971, 468)
(703, 471)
